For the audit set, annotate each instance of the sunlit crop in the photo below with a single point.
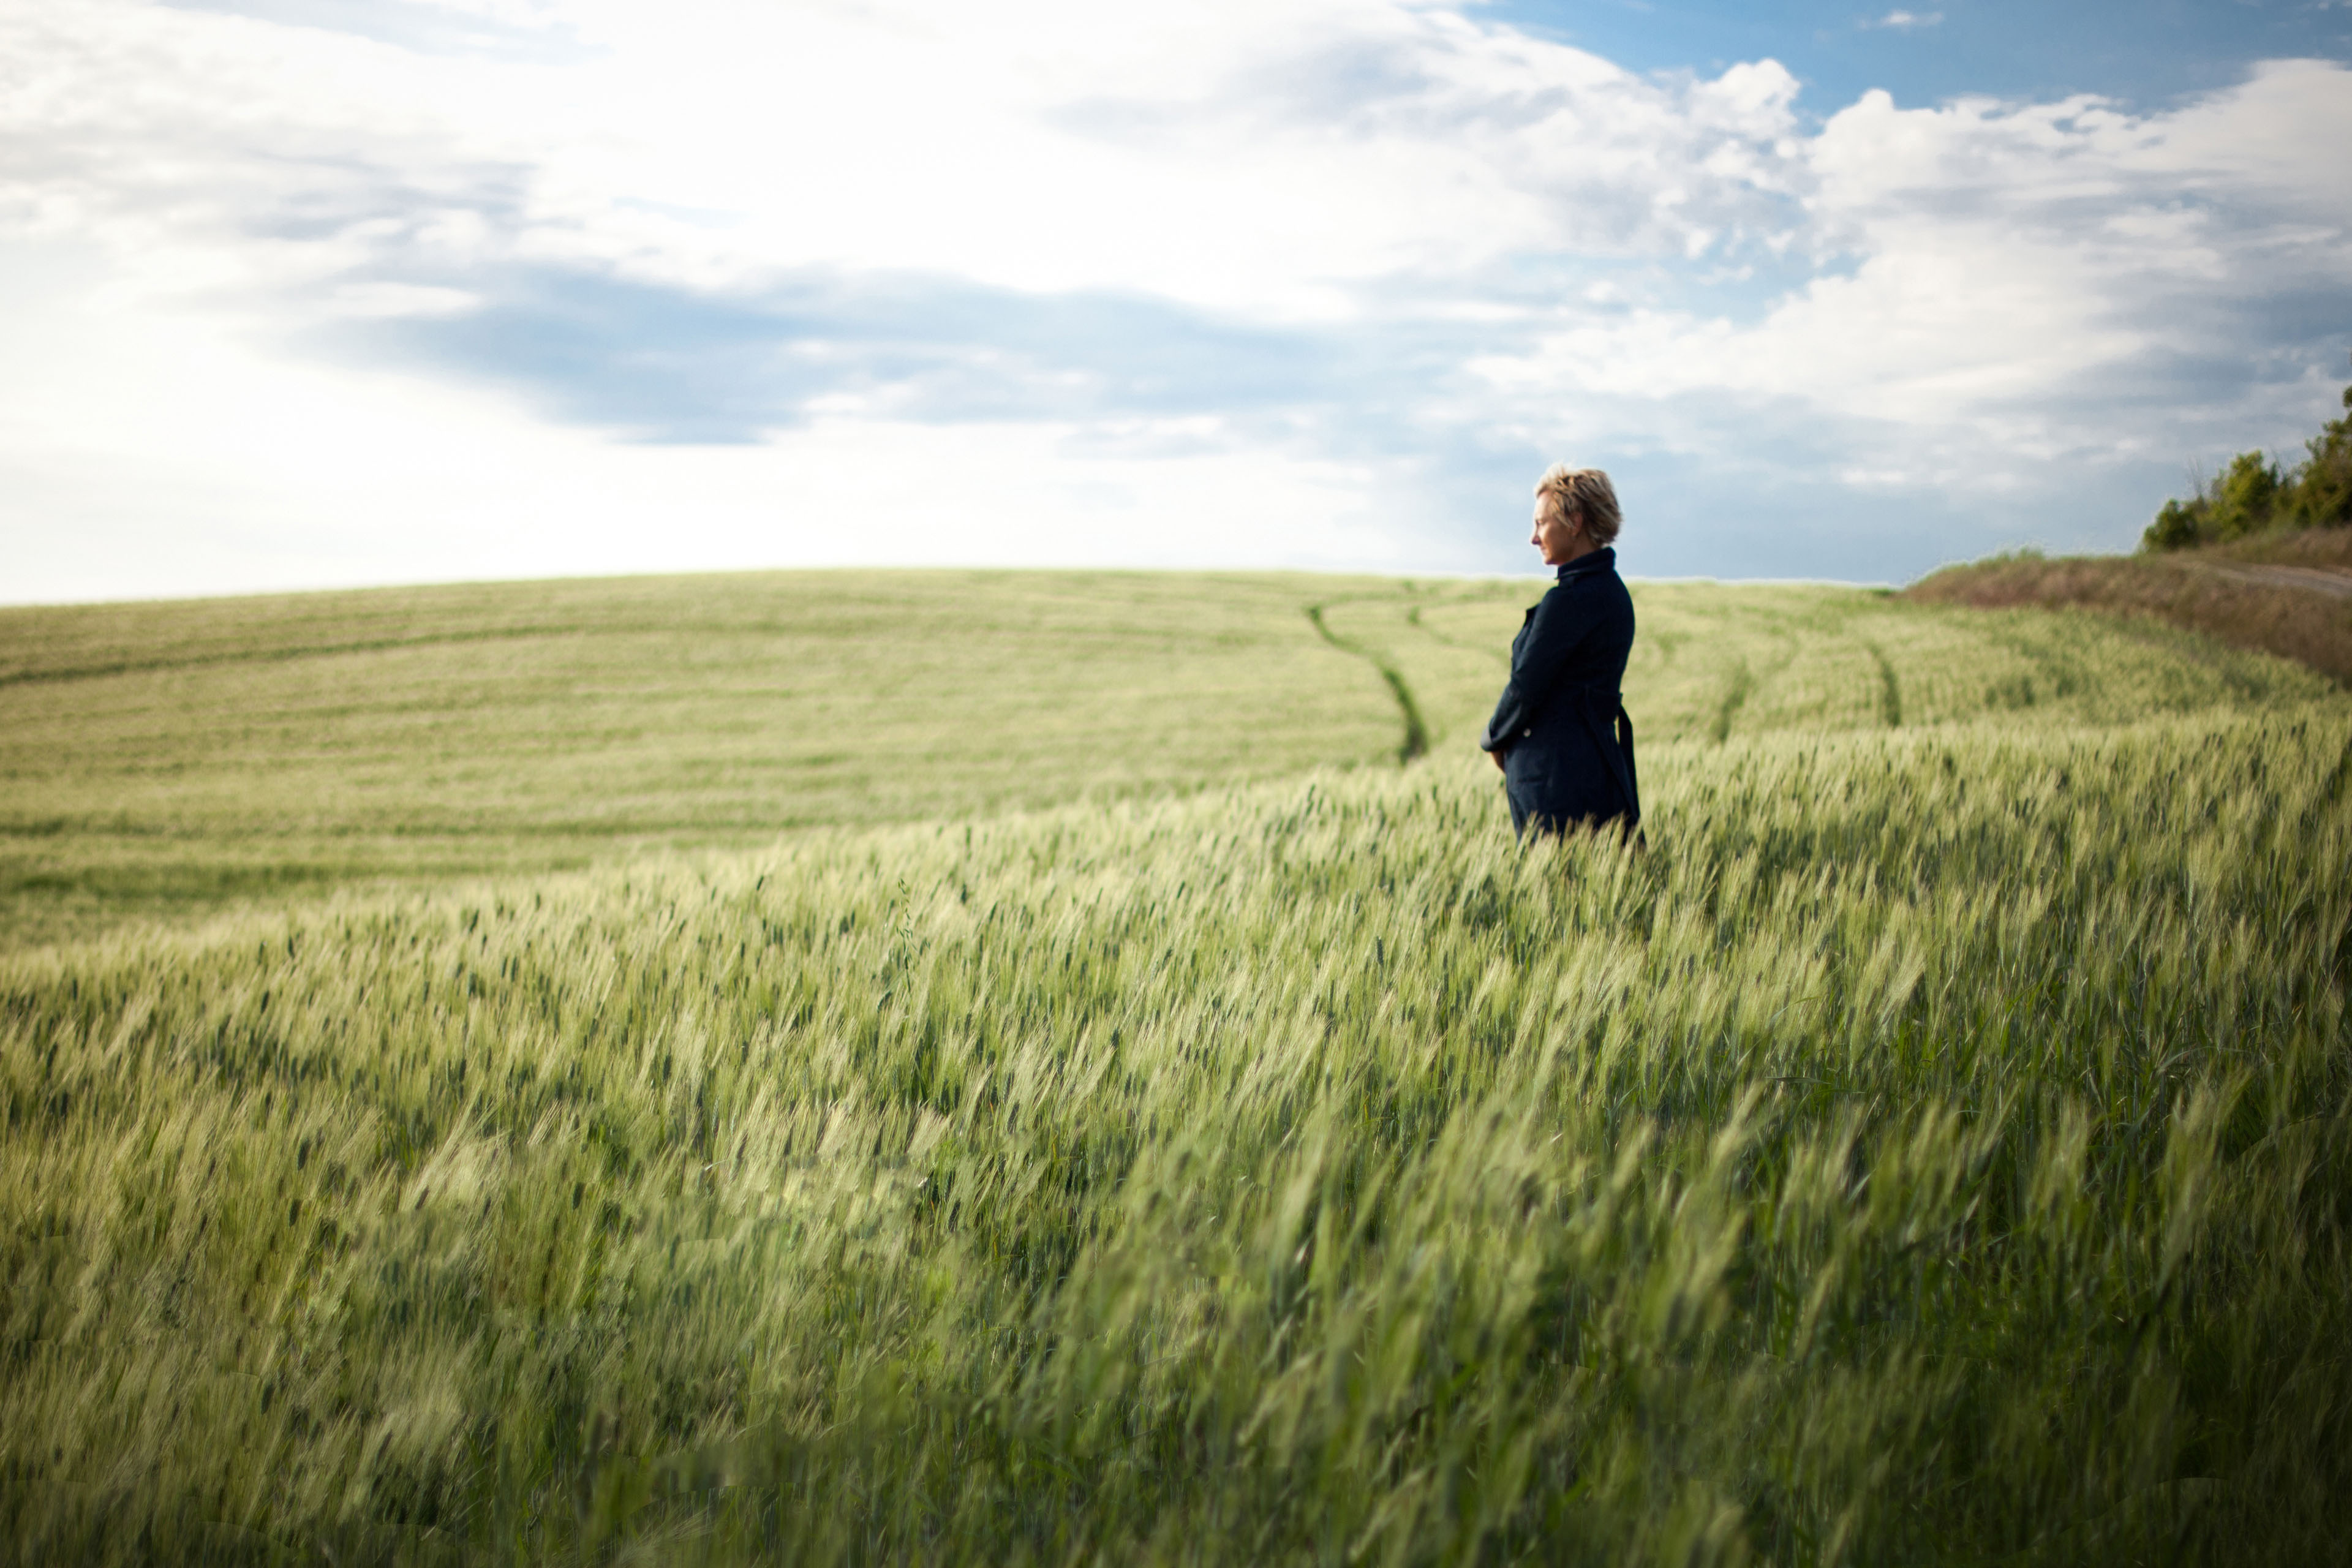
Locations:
(1936, 1148)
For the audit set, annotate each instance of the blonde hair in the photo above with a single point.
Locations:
(1588, 495)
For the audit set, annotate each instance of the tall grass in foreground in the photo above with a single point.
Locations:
(1934, 1150)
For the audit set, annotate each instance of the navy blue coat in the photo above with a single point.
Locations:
(1561, 728)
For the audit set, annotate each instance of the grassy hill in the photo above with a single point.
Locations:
(1103, 1139)
(2288, 593)
(167, 760)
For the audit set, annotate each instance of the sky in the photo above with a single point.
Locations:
(307, 293)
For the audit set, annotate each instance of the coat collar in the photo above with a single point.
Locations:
(1604, 557)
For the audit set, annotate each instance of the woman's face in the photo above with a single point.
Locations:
(1557, 533)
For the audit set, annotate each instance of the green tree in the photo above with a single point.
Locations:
(2252, 494)
(2245, 496)
(2323, 485)
(2176, 525)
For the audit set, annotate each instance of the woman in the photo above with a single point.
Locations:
(1560, 734)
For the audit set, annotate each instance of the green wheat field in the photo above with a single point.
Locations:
(1058, 1068)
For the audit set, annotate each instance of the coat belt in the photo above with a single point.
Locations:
(1616, 750)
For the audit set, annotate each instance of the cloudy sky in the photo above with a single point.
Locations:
(308, 292)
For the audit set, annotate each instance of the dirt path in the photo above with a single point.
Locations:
(2318, 580)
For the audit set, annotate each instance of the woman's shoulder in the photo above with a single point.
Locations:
(1596, 595)
(1595, 578)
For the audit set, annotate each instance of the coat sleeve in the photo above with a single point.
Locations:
(1548, 646)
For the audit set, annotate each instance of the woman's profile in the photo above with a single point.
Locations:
(1560, 733)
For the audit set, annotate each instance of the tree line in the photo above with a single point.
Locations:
(2253, 495)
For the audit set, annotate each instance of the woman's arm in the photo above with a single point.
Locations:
(1554, 634)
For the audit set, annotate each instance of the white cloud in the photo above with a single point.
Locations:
(302, 475)
(1905, 21)
(240, 236)
(2014, 268)
(1250, 157)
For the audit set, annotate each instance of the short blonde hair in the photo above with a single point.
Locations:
(1586, 493)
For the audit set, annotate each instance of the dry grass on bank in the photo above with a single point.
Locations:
(2192, 588)
(2328, 548)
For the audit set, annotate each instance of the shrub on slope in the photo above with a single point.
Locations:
(2253, 495)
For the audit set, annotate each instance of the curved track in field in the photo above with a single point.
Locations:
(1416, 743)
